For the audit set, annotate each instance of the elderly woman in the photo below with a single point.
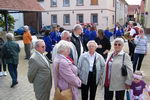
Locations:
(91, 67)
(114, 81)
(65, 73)
(11, 54)
(140, 51)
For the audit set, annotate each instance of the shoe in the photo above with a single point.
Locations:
(1, 74)
(13, 84)
(5, 73)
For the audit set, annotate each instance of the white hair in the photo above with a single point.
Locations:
(65, 32)
(77, 26)
(63, 46)
(92, 41)
(38, 42)
(26, 27)
(120, 40)
(10, 36)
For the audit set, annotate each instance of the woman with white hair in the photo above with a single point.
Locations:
(91, 67)
(65, 73)
(114, 81)
(141, 49)
(11, 54)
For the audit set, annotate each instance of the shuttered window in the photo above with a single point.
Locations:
(94, 2)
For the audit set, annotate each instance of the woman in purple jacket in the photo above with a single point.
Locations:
(65, 73)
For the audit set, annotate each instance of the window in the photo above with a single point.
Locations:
(79, 2)
(53, 3)
(113, 19)
(94, 2)
(66, 19)
(54, 19)
(94, 18)
(79, 18)
(40, 0)
(66, 3)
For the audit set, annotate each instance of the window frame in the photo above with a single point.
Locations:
(77, 3)
(65, 5)
(93, 3)
(92, 21)
(79, 18)
(52, 3)
(64, 20)
(52, 19)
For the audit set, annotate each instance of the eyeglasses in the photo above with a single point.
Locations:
(117, 44)
(42, 46)
(92, 46)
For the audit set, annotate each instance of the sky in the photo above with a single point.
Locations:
(133, 2)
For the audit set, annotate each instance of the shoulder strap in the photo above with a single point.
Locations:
(57, 72)
(123, 58)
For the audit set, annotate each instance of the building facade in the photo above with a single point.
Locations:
(67, 13)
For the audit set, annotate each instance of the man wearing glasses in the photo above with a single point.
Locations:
(39, 72)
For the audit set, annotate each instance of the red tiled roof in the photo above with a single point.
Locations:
(132, 8)
(20, 5)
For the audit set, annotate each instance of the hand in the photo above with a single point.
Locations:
(105, 52)
(127, 86)
(100, 46)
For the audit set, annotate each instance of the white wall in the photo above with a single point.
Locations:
(104, 9)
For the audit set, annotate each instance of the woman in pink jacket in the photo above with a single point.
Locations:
(65, 73)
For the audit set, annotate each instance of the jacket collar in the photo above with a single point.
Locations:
(121, 52)
(62, 56)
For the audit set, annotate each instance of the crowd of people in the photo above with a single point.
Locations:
(81, 59)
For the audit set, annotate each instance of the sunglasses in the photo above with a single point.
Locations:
(117, 44)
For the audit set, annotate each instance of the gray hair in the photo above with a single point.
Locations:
(65, 32)
(77, 26)
(10, 36)
(38, 42)
(26, 27)
(120, 40)
(92, 41)
(62, 46)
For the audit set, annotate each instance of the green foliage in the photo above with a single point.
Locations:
(11, 22)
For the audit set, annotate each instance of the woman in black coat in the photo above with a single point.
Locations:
(104, 44)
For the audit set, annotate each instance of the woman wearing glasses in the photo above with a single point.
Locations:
(114, 81)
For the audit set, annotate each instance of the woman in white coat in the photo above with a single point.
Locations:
(114, 81)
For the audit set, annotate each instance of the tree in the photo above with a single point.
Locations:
(11, 22)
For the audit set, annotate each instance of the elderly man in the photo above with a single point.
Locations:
(39, 72)
(11, 54)
(66, 35)
(76, 39)
(27, 40)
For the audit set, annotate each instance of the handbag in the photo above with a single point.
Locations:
(64, 94)
(124, 67)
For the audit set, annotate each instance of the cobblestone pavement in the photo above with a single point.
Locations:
(24, 90)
